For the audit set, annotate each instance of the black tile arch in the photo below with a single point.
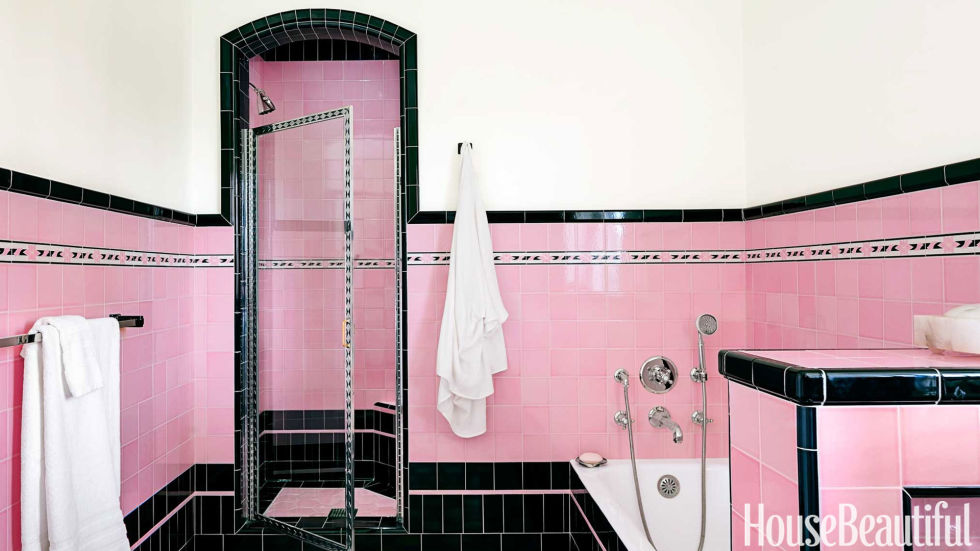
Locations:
(269, 33)
(851, 386)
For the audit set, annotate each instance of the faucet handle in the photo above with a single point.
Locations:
(699, 418)
(622, 419)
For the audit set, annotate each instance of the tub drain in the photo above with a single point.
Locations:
(668, 486)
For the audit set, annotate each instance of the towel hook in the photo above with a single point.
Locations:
(459, 147)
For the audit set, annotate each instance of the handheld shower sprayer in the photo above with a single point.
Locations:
(706, 325)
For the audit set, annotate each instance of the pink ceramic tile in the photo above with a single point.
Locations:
(777, 421)
(859, 446)
(940, 445)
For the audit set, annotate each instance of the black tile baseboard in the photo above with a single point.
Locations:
(851, 386)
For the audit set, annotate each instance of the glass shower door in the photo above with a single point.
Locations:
(298, 452)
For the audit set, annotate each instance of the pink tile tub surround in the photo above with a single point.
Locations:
(163, 365)
(865, 303)
(570, 328)
(301, 207)
(763, 455)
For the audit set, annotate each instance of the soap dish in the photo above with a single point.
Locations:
(592, 460)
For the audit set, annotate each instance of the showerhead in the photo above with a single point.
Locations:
(707, 324)
(267, 105)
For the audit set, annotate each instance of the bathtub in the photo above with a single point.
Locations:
(674, 523)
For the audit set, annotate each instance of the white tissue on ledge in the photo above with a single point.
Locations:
(956, 331)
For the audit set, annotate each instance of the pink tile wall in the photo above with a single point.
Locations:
(301, 209)
(570, 328)
(763, 458)
(864, 303)
(867, 454)
(160, 362)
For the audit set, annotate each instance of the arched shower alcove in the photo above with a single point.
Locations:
(311, 35)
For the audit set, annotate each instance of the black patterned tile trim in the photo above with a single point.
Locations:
(24, 252)
(951, 174)
(851, 386)
(954, 244)
(18, 182)
(326, 264)
(532, 475)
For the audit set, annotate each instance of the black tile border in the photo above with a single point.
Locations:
(940, 176)
(946, 175)
(806, 470)
(328, 49)
(36, 186)
(851, 386)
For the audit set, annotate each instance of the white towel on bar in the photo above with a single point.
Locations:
(471, 341)
(82, 373)
(70, 444)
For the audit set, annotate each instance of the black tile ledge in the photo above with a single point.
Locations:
(851, 386)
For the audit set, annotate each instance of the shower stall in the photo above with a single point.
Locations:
(320, 249)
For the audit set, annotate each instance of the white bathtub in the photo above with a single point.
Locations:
(674, 523)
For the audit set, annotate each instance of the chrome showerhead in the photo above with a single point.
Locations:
(707, 324)
(267, 105)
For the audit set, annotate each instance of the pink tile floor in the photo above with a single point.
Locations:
(317, 502)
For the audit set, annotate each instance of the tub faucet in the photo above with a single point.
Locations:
(660, 418)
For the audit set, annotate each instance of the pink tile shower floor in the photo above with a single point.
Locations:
(317, 502)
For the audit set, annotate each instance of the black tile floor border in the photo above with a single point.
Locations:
(851, 386)
(532, 521)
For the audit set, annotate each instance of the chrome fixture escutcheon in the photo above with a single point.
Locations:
(658, 374)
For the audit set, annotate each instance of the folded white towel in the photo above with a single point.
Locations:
(82, 373)
(471, 340)
(70, 446)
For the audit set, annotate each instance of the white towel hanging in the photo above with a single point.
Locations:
(471, 341)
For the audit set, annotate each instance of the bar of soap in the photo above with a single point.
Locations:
(590, 458)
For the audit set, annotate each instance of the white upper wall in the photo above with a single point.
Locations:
(569, 104)
(97, 94)
(842, 91)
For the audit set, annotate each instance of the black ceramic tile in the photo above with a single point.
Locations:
(806, 427)
(479, 476)
(967, 171)
(846, 387)
(923, 179)
(960, 386)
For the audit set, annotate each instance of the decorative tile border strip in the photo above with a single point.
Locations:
(325, 263)
(21, 252)
(934, 245)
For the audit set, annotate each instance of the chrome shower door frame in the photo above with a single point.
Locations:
(247, 329)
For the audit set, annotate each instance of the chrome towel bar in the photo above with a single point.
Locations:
(16, 340)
